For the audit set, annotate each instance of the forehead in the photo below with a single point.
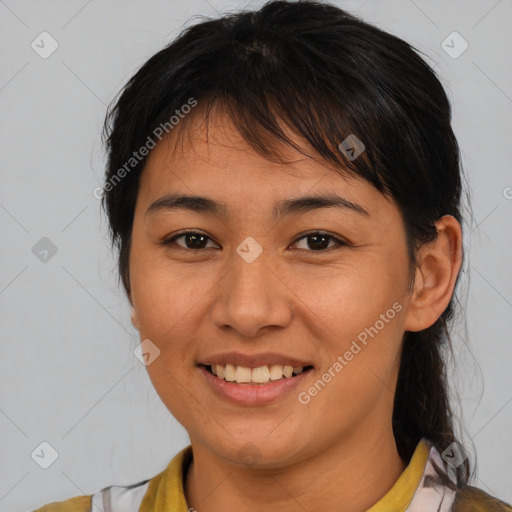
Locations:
(213, 159)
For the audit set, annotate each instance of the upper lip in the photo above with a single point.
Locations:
(253, 360)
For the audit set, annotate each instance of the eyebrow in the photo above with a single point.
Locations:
(209, 206)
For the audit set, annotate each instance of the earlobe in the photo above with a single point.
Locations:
(439, 263)
(134, 319)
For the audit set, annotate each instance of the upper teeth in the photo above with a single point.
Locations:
(260, 375)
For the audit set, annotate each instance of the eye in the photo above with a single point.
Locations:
(193, 240)
(318, 241)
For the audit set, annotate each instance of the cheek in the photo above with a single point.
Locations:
(167, 306)
(162, 293)
(344, 301)
(362, 308)
(359, 376)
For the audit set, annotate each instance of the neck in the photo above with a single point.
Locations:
(355, 473)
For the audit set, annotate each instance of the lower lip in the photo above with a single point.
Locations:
(253, 394)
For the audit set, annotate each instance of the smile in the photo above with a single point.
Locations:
(260, 375)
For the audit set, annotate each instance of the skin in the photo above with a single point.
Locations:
(339, 448)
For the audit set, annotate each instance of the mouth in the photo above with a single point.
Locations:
(261, 375)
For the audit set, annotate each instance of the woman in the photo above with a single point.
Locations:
(284, 189)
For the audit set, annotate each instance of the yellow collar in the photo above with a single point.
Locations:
(166, 492)
(400, 495)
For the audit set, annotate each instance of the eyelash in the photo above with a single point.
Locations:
(340, 243)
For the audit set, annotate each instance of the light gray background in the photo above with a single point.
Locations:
(68, 373)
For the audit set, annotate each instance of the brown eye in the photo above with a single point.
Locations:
(315, 241)
(318, 241)
(192, 240)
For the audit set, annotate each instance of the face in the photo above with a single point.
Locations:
(255, 285)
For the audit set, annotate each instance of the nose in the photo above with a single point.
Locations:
(252, 296)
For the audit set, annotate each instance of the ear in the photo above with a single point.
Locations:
(439, 263)
(133, 313)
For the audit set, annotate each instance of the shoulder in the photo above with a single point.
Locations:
(119, 498)
(471, 499)
(77, 504)
(164, 488)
